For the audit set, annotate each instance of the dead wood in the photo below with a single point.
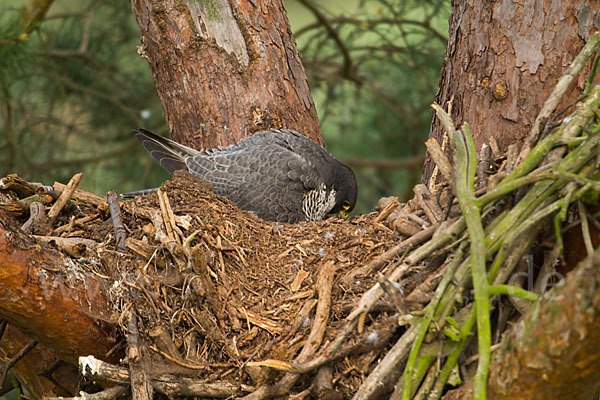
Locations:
(64, 197)
(115, 213)
(40, 279)
(162, 383)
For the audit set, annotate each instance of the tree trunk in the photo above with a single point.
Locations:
(225, 70)
(502, 61)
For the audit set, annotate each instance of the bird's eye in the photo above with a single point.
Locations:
(346, 205)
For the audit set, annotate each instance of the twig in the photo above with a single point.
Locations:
(108, 394)
(440, 159)
(82, 196)
(141, 388)
(18, 185)
(168, 218)
(429, 204)
(77, 222)
(393, 293)
(585, 229)
(391, 253)
(509, 290)
(64, 197)
(466, 167)
(324, 384)
(387, 210)
(592, 75)
(15, 359)
(485, 166)
(380, 377)
(115, 212)
(187, 365)
(166, 384)
(324, 283)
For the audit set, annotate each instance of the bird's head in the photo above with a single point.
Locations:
(346, 190)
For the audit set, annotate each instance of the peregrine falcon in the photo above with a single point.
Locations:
(279, 175)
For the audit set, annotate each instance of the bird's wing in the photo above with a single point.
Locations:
(262, 174)
(169, 154)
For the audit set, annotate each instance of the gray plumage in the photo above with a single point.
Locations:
(279, 175)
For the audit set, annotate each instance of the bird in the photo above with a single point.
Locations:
(278, 174)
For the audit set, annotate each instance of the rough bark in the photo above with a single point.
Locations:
(44, 296)
(553, 353)
(502, 61)
(224, 70)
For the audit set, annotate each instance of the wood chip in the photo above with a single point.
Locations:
(297, 283)
(265, 323)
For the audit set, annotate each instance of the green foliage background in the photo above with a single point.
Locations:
(72, 90)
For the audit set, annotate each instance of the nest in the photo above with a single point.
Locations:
(214, 302)
(213, 293)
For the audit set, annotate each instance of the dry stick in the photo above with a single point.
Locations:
(189, 366)
(324, 384)
(377, 378)
(585, 229)
(80, 222)
(555, 97)
(82, 196)
(22, 353)
(440, 159)
(427, 384)
(141, 389)
(390, 254)
(115, 212)
(166, 384)
(64, 197)
(108, 394)
(429, 203)
(168, 217)
(387, 210)
(393, 293)
(18, 185)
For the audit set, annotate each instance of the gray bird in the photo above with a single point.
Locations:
(279, 175)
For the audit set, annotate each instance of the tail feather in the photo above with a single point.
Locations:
(169, 154)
